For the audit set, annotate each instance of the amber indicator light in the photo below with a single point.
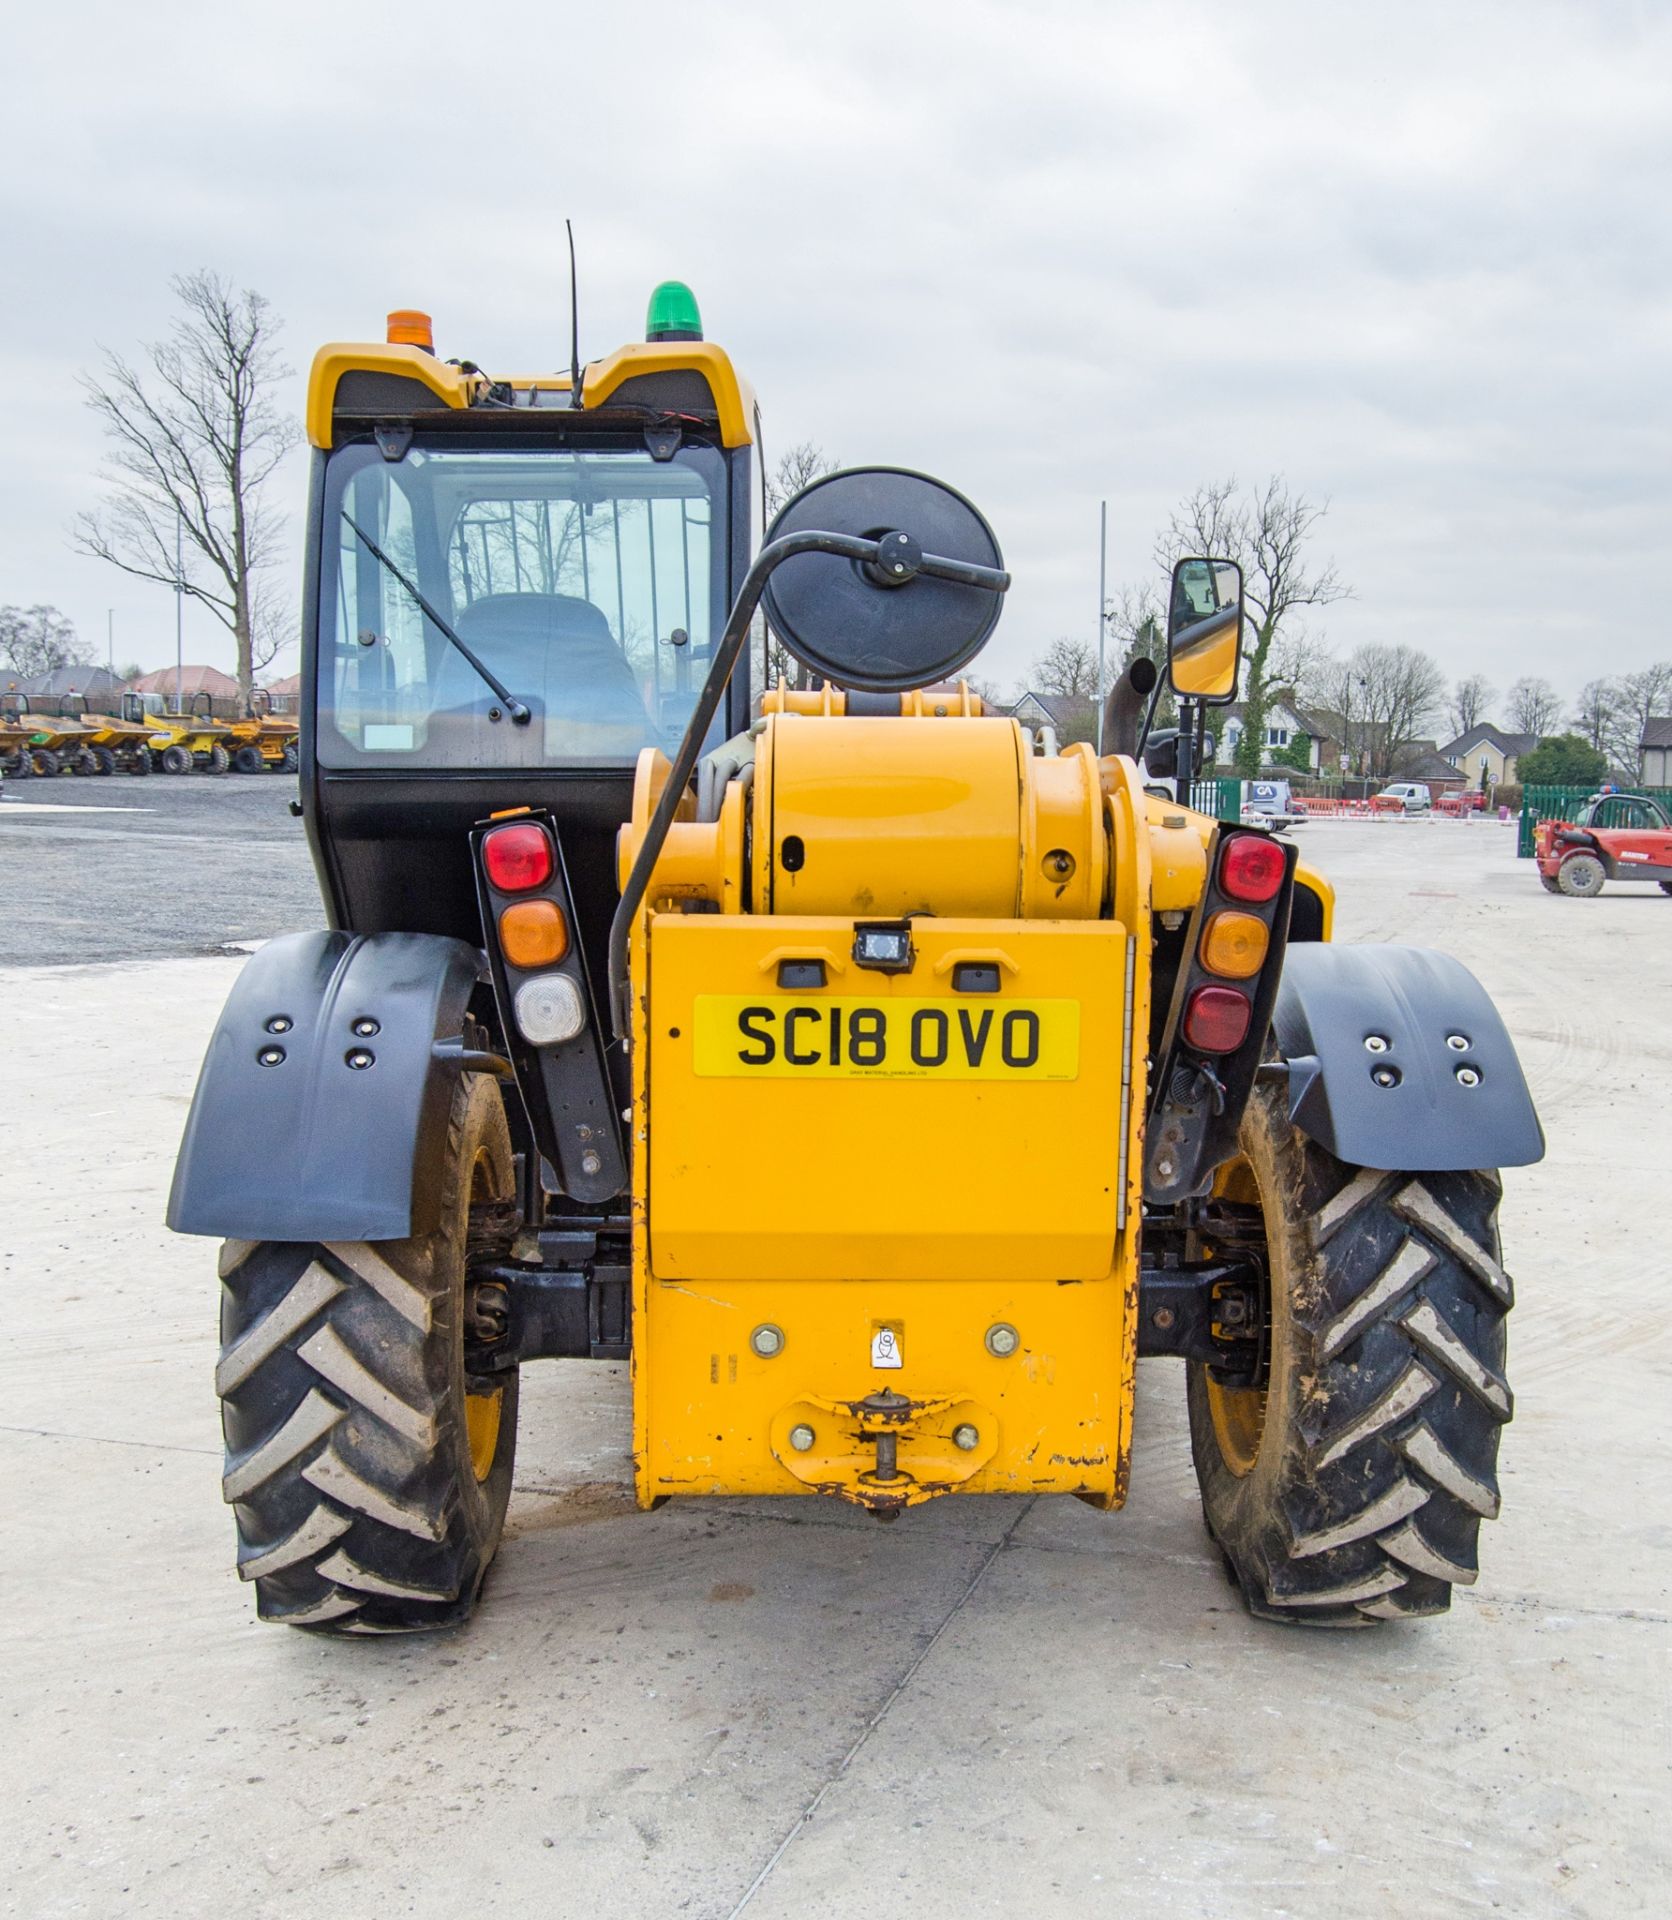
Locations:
(533, 933)
(1234, 945)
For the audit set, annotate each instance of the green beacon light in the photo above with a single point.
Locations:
(673, 313)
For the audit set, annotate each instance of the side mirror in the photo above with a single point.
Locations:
(1161, 754)
(1204, 630)
(893, 623)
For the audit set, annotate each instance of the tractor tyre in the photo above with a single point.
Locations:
(292, 760)
(104, 761)
(1580, 876)
(176, 759)
(82, 761)
(368, 1471)
(1548, 884)
(47, 763)
(219, 759)
(1350, 1488)
(19, 765)
(139, 761)
(248, 760)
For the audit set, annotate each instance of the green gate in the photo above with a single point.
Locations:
(1222, 799)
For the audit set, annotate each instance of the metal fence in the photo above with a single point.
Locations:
(1561, 803)
(1220, 798)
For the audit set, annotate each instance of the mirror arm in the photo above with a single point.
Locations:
(735, 633)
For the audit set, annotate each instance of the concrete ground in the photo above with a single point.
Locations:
(994, 1707)
(127, 869)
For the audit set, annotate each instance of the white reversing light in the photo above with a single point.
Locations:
(549, 1009)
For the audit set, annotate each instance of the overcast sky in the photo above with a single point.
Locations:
(1418, 259)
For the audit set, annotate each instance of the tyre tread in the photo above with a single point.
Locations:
(1372, 1507)
(342, 1400)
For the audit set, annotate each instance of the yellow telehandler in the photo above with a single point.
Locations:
(884, 1085)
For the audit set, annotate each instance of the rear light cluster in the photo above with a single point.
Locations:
(533, 933)
(545, 1005)
(1219, 1015)
(1251, 869)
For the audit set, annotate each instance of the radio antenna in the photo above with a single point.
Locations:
(574, 323)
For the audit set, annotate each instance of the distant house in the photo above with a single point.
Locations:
(1287, 725)
(286, 693)
(1487, 755)
(1070, 717)
(1436, 772)
(1654, 753)
(209, 680)
(1348, 746)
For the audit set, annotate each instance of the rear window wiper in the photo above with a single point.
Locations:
(513, 706)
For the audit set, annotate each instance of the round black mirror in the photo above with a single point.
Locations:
(883, 626)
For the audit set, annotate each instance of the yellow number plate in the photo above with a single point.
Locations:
(849, 1037)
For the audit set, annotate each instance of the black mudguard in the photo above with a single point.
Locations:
(1333, 999)
(309, 1147)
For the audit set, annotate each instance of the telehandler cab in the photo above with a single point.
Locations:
(884, 1086)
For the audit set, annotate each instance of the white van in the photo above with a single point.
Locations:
(1412, 794)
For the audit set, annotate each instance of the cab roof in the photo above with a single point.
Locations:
(390, 383)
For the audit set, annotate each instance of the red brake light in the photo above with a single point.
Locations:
(518, 858)
(1216, 1020)
(1251, 867)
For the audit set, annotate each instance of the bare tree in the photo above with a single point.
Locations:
(1333, 689)
(798, 466)
(1067, 668)
(1404, 690)
(1595, 714)
(1641, 697)
(196, 435)
(1137, 629)
(1534, 705)
(40, 639)
(1387, 696)
(1067, 671)
(1294, 651)
(1267, 535)
(1470, 699)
